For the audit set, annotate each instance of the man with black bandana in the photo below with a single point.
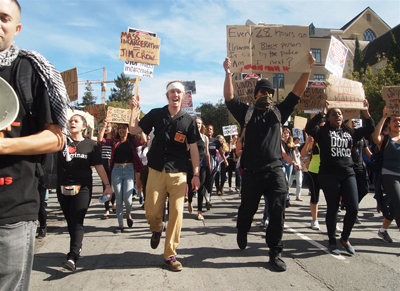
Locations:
(262, 157)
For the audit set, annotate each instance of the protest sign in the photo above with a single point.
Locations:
(190, 86)
(139, 48)
(350, 113)
(312, 98)
(296, 132)
(244, 89)
(344, 93)
(229, 130)
(98, 111)
(268, 48)
(300, 122)
(70, 78)
(391, 95)
(336, 59)
(135, 68)
(187, 103)
(118, 115)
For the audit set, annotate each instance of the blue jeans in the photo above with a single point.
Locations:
(335, 186)
(123, 183)
(287, 170)
(17, 243)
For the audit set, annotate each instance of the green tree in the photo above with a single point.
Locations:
(358, 58)
(123, 92)
(373, 83)
(88, 98)
(394, 53)
(217, 115)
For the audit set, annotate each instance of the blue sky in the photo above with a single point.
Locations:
(86, 34)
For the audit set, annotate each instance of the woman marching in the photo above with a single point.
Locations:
(124, 162)
(390, 145)
(336, 173)
(205, 170)
(74, 180)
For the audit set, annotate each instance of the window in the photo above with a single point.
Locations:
(319, 77)
(317, 55)
(280, 79)
(369, 35)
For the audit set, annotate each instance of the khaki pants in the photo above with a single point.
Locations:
(159, 185)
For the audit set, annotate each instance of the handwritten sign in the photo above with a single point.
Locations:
(244, 89)
(139, 48)
(70, 78)
(336, 59)
(312, 98)
(391, 95)
(267, 49)
(98, 111)
(300, 122)
(229, 130)
(344, 93)
(118, 115)
(351, 113)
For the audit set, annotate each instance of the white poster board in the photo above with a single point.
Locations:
(336, 59)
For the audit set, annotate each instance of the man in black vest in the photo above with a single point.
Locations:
(34, 132)
(262, 157)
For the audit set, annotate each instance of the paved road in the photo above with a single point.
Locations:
(210, 256)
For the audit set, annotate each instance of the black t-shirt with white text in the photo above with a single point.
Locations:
(84, 154)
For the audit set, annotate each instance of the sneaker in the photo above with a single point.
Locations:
(230, 189)
(119, 230)
(173, 264)
(141, 199)
(288, 204)
(385, 236)
(129, 221)
(276, 261)
(69, 265)
(338, 229)
(315, 225)
(42, 233)
(155, 238)
(208, 205)
(241, 239)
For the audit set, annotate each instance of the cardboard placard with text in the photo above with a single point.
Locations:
(391, 95)
(70, 78)
(312, 98)
(244, 89)
(139, 48)
(300, 122)
(345, 93)
(351, 113)
(98, 111)
(118, 115)
(268, 48)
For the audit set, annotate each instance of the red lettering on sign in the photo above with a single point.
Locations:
(6, 181)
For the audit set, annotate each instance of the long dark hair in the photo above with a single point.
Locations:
(117, 136)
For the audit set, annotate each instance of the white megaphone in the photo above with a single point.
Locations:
(9, 104)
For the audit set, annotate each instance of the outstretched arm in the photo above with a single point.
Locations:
(228, 87)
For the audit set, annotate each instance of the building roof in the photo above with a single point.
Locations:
(380, 45)
(348, 24)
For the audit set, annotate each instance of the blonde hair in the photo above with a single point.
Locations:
(203, 127)
(225, 146)
(289, 142)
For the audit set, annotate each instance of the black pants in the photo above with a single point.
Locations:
(273, 185)
(335, 186)
(42, 208)
(106, 165)
(220, 178)
(74, 209)
(202, 190)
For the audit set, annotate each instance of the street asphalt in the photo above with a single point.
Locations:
(210, 256)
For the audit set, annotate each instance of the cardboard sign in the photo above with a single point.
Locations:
(135, 68)
(336, 59)
(391, 95)
(344, 93)
(229, 130)
(139, 48)
(70, 78)
(350, 113)
(244, 89)
(98, 111)
(118, 115)
(260, 48)
(300, 122)
(312, 98)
